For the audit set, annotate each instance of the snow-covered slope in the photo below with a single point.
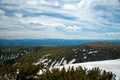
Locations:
(108, 65)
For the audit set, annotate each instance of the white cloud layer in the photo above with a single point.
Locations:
(2, 12)
(82, 19)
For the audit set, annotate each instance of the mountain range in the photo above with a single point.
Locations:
(56, 42)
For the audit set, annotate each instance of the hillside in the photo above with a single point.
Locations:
(28, 60)
(108, 65)
(59, 55)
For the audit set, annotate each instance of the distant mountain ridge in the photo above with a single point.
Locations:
(54, 42)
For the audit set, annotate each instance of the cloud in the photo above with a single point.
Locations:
(68, 19)
(76, 28)
(35, 35)
(109, 35)
(69, 7)
(18, 15)
(115, 34)
(2, 12)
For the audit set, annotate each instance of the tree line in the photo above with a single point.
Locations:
(29, 72)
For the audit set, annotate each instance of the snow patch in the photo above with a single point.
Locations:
(61, 60)
(85, 57)
(72, 61)
(59, 63)
(52, 64)
(74, 49)
(44, 60)
(40, 61)
(92, 52)
(76, 52)
(41, 71)
(84, 50)
(64, 62)
(108, 65)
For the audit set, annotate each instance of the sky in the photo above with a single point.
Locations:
(59, 19)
